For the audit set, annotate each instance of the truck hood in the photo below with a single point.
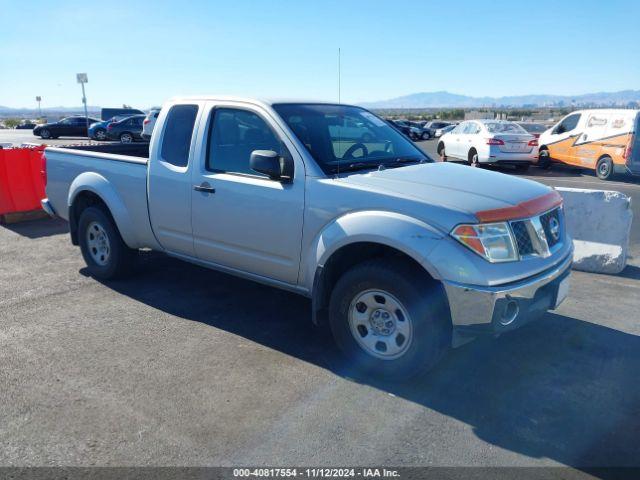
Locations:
(452, 193)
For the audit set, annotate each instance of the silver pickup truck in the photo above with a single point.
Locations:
(402, 257)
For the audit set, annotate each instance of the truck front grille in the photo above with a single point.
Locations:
(523, 240)
(552, 226)
(536, 236)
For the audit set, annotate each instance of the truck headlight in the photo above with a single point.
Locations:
(492, 241)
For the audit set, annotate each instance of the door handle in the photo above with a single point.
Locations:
(205, 187)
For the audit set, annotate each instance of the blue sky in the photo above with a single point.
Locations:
(143, 52)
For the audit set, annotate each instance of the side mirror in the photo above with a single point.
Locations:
(271, 164)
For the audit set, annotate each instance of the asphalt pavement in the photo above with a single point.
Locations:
(180, 365)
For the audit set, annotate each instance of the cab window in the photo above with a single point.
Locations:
(233, 135)
(568, 124)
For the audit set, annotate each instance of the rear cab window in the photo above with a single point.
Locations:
(176, 141)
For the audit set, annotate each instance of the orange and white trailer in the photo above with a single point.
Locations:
(604, 140)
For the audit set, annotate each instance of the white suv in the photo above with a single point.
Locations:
(149, 123)
(489, 142)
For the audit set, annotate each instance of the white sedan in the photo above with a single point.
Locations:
(489, 142)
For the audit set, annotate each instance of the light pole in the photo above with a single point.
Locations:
(82, 79)
(39, 99)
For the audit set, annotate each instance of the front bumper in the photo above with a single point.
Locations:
(479, 310)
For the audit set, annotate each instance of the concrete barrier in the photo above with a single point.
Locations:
(600, 223)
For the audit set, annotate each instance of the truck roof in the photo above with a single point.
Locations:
(264, 101)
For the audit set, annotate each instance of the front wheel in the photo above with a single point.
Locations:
(425, 136)
(604, 168)
(105, 253)
(544, 159)
(100, 134)
(45, 134)
(390, 319)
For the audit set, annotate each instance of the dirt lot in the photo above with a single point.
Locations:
(183, 366)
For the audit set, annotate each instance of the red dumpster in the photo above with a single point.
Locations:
(21, 179)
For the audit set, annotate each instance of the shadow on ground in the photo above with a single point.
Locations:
(39, 228)
(558, 388)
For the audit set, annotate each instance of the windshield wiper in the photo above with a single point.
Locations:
(400, 162)
(352, 167)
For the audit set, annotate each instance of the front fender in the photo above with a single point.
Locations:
(97, 184)
(406, 234)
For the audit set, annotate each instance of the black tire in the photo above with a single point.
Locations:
(522, 168)
(421, 297)
(544, 159)
(425, 136)
(100, 134)
(119, 258)
(441, 152)
(604, 168)
(472, 159)
(45, 134)
(126, 137)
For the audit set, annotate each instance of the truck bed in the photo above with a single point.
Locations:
(137, 149)
(116, 172)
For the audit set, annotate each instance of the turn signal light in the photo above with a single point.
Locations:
(533, 143)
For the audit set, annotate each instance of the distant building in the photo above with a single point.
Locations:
(479, 115)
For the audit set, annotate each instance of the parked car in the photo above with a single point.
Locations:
(67, 127)
(535, 129)
(435, 125)
(490, 142)
(26, 125)
(402, 257)
(350, 130)
(425, 133)
(441, 131)
(127, 130)
(98, 130)
(412, 132)
(107, 113)
(149, 122)
(606, 141)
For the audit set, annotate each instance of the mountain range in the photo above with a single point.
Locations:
(452, 100)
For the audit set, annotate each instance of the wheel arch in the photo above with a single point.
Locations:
(90, 189)
(361, 236)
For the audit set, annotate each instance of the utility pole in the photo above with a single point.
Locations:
(39, 99)
(82, 79)
(339, 78)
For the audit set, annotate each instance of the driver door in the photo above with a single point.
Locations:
(562, 138)
(243, 220)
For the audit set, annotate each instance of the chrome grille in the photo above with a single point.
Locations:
(523, 240)
(552, 226)
(536, 236)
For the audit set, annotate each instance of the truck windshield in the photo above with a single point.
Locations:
(342, 138)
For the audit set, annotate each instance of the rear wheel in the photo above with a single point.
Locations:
(126, 137)
(604, 168)
(390, 319)
(442, 152)
(105, 253)
(473, 160)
